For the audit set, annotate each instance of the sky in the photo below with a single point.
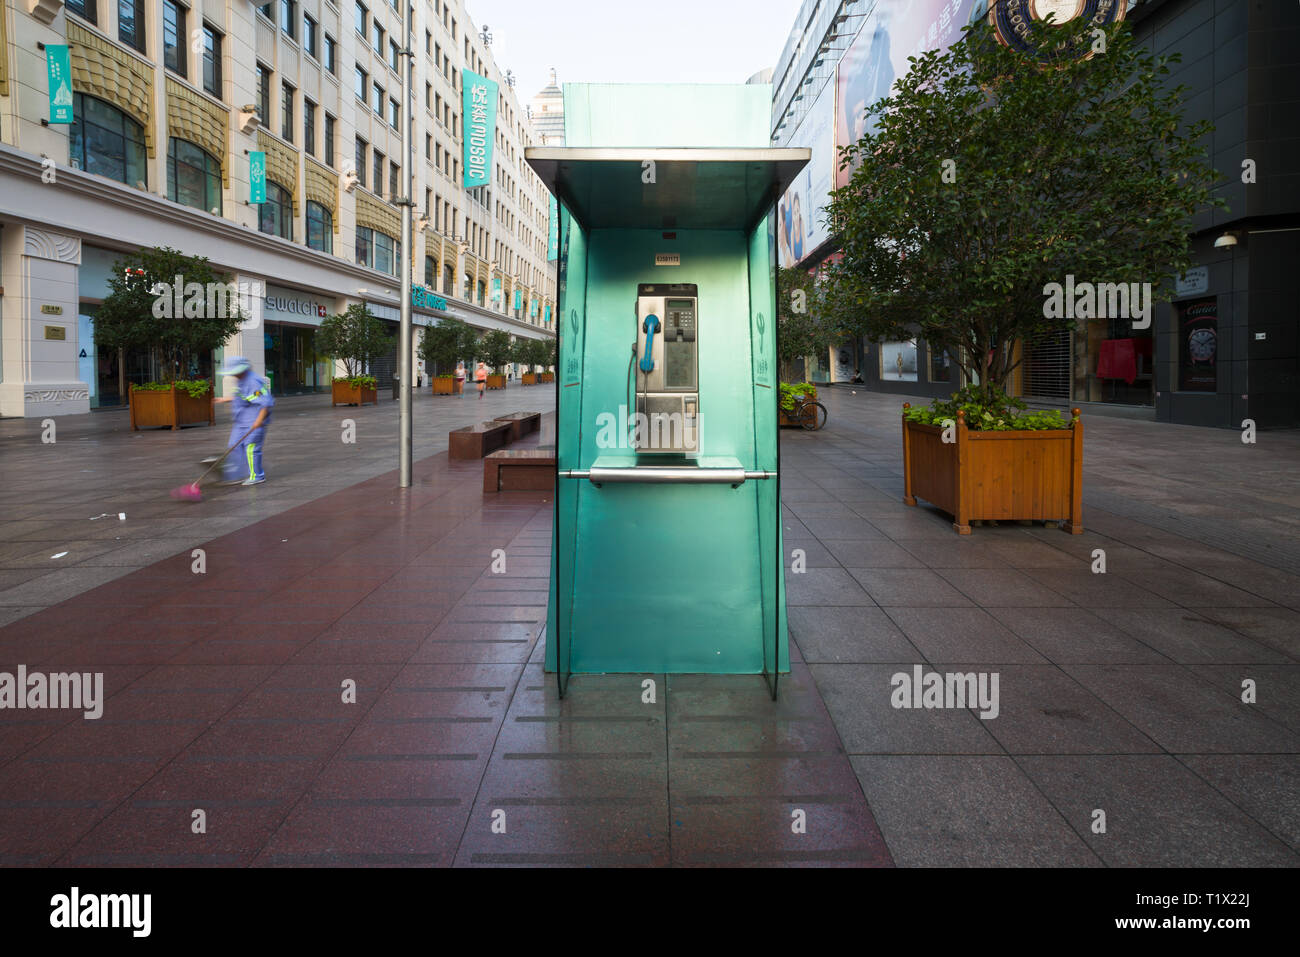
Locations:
(634, 41)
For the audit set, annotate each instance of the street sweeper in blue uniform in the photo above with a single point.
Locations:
(252, 402)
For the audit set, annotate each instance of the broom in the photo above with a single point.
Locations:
(191, 492)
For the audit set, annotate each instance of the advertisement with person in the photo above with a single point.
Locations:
(895, 30)
(898, 361)
(801, 217)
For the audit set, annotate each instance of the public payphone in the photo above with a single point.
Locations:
(667, 368)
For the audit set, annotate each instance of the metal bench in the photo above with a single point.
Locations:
(513, 470)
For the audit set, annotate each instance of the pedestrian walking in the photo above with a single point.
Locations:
(460, 380)
(480, 376)
(252, 411)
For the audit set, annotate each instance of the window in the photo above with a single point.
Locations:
(174, 39)
(212, 61)
(275, 216)
(395, 179)
(107, 142)
(193, 176)
(320, 228)
(378, 167)
(430, 271)
(361, 161)
(361, 19)
(360, 86)
(309, 126)
(448, 280)
(308, 35)
(329, 140)
(263, 94)
(377, 99)
(428, 42)
(377, 250)
(428, 146)
(286, 111)
(438, 154)
(428, 96)
(130, 23)
(331, 55)
(84, 9)
(394, 115)
(378, 33)
(288, 22)
(394, 52)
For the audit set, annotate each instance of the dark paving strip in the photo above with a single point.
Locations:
(595, 859)
(385, 802)
(157, 860)
(462, 756)
(352, 860)
(578, 756)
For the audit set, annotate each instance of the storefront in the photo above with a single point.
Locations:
(289, 322)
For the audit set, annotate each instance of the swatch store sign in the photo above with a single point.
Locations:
(288, 306)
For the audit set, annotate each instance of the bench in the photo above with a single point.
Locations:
(514, 470)
(521, 423)
(476, 441)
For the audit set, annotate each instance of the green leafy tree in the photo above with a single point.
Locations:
(353, 337)
(495, 349)
(800, 313)
(441, 345)
(988, 177)
(552, 354)
(471, 344)
(141, 309)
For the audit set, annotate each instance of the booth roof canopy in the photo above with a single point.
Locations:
(730, 188)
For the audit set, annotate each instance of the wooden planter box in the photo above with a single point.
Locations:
(989, 476)
(343, 393)
(546, 377)
(496, 382)
(447, 386)
(529, 378)
(169, 410)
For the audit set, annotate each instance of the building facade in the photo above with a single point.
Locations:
(169, 99)
(1225, 349)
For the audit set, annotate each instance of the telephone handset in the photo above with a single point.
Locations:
(650, 326)
(668, 368)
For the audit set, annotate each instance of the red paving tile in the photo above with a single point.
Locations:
(225, 692)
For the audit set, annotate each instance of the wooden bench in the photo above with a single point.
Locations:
(514, 470)
(521, 423)
(476, 441)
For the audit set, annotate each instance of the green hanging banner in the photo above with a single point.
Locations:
(257, 177)
(58, 62)
(553, 233)
(480, 104)
(519, 299)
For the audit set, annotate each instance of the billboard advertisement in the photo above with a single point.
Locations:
(480, 105)
(801, 221)
(895, 30)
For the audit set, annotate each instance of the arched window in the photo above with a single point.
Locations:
(275, 216)
(193, 176)
(448, 280)
(431, 272)
(107, 142)
(320, 227)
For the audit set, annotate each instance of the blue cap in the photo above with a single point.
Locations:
(235, 365)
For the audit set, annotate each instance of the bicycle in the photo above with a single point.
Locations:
(807, 413)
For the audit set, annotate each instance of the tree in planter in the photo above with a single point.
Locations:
(800, 314)
(495, 349)
(523, 353)
(176, 326)
(354, 337)
(442, 345)
(988, 178)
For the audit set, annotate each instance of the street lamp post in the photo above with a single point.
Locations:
(405, 424)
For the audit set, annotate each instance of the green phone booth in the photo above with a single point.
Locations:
(667, 553)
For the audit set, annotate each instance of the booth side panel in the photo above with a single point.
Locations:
(571, 322)
(769, 543)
